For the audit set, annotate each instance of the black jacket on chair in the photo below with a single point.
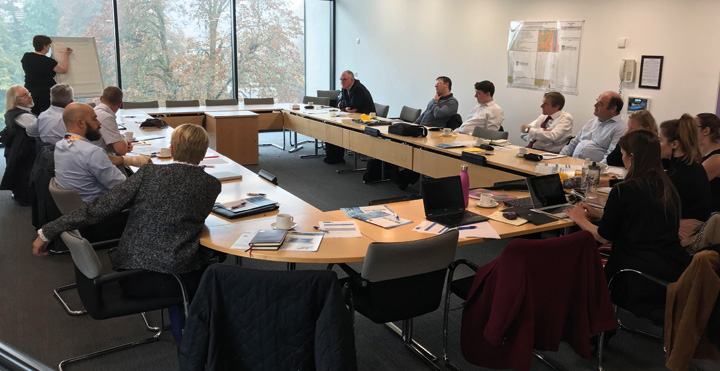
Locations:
(245, 319)
(19, 156)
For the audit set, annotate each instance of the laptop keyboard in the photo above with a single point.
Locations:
(454, 217)
(525, 202)
(557, 210)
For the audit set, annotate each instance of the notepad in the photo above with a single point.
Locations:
(268, 239)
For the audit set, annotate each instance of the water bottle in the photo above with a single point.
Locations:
(465, 181)
(593, 180)
(583, 177)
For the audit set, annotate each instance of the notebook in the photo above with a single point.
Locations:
(268, 239)
(444, 202)
(547, 195)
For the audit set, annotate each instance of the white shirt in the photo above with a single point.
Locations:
(50, 126)
(555, 135)
(596, 139)
(108, 128)
(488, 116)
(26, 120)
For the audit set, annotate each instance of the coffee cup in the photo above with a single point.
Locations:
(373, 114)
(164, 152)
(129, 135)
(486, 200)
(447, 131)
(522, 151)
(481, 141)
(284, 221)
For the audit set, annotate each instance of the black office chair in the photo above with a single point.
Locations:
(454, 122)
(382, 110)
(221, 102)
(103, 297)
(182, 103)
(409, 114)
(325, 101)
(332, 94)
(133, 105)
(400, 281)
(256, 101)
(489, 134)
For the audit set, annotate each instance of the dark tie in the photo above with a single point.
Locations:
(542, 126)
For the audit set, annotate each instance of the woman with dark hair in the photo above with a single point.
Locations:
(708, 138)
(40, 71)
(681, 155)
(641, 218)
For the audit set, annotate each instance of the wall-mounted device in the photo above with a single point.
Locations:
(627, 70)
(638, 104)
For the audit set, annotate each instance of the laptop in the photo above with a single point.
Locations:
(548, 196)
(444, 202)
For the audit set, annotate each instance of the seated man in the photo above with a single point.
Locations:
(19, 147)
(79, 164)
(600, 135)
(551, 131)
(486, 114)
(442, 107)
(112, 140)
(354, 98)
(49, 126)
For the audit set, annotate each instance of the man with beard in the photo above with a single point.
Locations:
(79, 164)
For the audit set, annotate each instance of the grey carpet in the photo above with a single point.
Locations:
(31, 319)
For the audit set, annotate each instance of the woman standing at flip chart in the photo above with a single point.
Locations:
(40, 71)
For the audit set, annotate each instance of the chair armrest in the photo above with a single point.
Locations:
(115, 276)
(660, 282)
(354, 276)
(457, 263)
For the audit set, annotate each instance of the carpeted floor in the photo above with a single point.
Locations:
(33, 321)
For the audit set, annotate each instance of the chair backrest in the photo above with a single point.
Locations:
(382, 110)
(149, 104)
(325, 101)
(332, 94)
(221, 102)
(489, 134)
(182, 103)
(409, 114)
(83, 255)
(454, 122)
(252, 101)
(66, 200)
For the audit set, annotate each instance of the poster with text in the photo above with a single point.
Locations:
(544, 55)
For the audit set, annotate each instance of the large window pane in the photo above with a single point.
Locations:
(175, 49)
(318, 30)
(20, 20)
(270, 53)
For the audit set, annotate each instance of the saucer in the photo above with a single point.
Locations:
(492, 205)
(448, 136)
(159, 156)
(274, 226)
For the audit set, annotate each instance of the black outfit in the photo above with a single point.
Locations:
(19, 157)
(615, 157)
(39, 78)
(693, 187)
(246, 319)
(644, 237)
(714, 185)
(359, 98)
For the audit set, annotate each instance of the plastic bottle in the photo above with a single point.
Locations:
(465, 181)
(583, 177)
(593, 180)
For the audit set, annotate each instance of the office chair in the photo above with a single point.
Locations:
(409, 114)
(256, 101)
(133, 105)
(182, 103)
(520, 301)
(489, 134)
(221, 102)
(332, 94)
(454, 122)
(104, 298)
(400, 281)
(382, 110)
(247, 319)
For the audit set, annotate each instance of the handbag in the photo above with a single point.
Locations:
(154, 123)
(408, 130)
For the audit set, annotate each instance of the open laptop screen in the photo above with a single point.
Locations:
(442, 195)
(546, 190)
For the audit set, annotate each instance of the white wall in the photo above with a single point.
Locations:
(405, 44)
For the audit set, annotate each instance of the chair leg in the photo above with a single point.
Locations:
(273, 144)
(545, 360)
(355, 166)
(601, 346)
(298, 145)
(446, 316)
(316, 155)
(69, 311)
(414, 346)
(116, 348)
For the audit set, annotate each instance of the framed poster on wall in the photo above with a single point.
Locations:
(651, 71)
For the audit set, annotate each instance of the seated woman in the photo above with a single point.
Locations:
(641, 218)
(638, 120)
(168, 206)
(708, 137)
(680, 152)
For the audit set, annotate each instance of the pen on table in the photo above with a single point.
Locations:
(320, 229)
(215, 156)
(397, 218)
(239, 206)
(468, 227)
(257, 194)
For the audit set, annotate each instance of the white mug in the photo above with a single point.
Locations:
(522, 151)
(486, 200)
(481, 141)
(447, 131)
(129, 135)
(284, 221)
(164, 152)
(373, 114)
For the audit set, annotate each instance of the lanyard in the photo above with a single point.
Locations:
(71, 138)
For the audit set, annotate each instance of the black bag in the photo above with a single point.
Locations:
(408, 130)
(154, 123)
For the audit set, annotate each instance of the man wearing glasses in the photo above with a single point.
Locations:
(442, 107)
(354, 98)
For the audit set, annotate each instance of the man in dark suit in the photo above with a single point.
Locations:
(354, 98)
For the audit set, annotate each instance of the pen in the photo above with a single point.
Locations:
(468, 227)
(257, 194)
(320, 229)
(239, 206)
(215, 156)
(397, 218)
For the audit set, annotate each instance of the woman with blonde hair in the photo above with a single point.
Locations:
(638, 120)
(708, 138)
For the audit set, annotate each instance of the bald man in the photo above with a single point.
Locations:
(79, 164)
(600, 135)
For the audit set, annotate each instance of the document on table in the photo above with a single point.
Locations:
(294, 241)
(551, 156)
(477, 230)
(430, 227)
(213, 161)
(380, 215)
(341, 229)
(244, 240)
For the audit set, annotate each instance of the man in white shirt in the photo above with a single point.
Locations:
(112, 140)
(50, 127)
(551, 131)
(600, 135)
(486, 114)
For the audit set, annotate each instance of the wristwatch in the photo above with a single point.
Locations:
(527, 130)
